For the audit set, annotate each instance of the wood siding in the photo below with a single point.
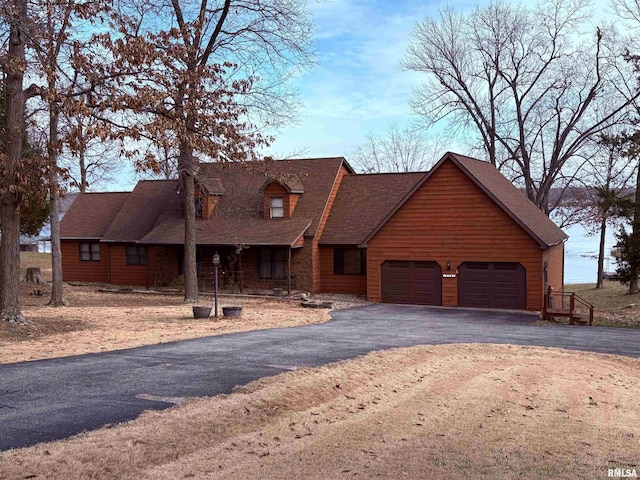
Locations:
(554, 257)
(330, 283)
(317, 285)
(209, 206)
(75, 270)
(123, 274)
(293, 201)
(450, 219)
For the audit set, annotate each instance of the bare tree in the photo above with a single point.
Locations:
(50, 39)
(398, 150)
(203, 71)
(88, 158)
(531, 87)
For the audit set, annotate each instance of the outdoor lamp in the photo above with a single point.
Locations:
(216, 263)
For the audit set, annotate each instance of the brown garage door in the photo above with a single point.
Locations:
(492, 285)
(418, 283)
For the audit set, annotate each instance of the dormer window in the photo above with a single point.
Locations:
(276, 205)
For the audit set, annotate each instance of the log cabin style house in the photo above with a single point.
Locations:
(458, 235)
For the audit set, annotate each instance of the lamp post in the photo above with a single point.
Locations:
(216, 264)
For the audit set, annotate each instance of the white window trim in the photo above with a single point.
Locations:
(273, 208)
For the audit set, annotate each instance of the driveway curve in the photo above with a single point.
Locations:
(52, 399)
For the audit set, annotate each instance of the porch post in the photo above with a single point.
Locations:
(289, 271)
(239, 272)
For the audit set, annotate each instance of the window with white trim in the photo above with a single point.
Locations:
(276, 205)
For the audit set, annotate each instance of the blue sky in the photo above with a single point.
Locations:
(358, 86)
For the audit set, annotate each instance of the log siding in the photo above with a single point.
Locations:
(315, 249)
(343, 283)
(76, 270)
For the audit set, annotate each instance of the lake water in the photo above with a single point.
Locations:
(581, 255)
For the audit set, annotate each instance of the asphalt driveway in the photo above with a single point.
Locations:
(52, 399)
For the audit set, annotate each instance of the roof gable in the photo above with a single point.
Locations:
(91, 214)
(290, 182)
(499, 189)
(362, 202)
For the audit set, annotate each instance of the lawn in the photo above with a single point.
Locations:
(613, 304)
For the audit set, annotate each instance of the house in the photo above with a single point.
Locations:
(41, 243)
(458, 235)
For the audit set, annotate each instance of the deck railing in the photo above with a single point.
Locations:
(567, 304)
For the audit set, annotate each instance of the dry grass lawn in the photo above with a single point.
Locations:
(455, 411)
(106, 321)
(614, 306)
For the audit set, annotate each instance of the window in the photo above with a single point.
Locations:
(199, 207)
(136, 255)
(349, 261)
(90, 252)
(277, 207)
(271, 263)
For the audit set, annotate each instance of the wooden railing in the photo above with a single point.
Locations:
(567, 304)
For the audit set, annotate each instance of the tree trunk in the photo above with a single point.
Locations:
(14, 111)
(10, 265)
(603, 234)
(34, 275)
(190, 270)
(57, 288)
(635, 233)
(82, 161)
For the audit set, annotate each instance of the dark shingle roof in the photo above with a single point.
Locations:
(291, 182)
(363, 201)
(237, 218)
(140, 212)
(91, 214)
(211, 185)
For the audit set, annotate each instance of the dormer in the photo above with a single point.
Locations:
(281, 195)
(208, 192)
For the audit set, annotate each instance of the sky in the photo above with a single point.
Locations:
(358, 86)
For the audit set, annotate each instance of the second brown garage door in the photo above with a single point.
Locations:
(492, 285)
(418, 283)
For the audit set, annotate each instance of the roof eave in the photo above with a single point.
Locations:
(543, 244)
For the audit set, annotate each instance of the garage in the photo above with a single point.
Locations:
(418, 283)
(492, 285)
